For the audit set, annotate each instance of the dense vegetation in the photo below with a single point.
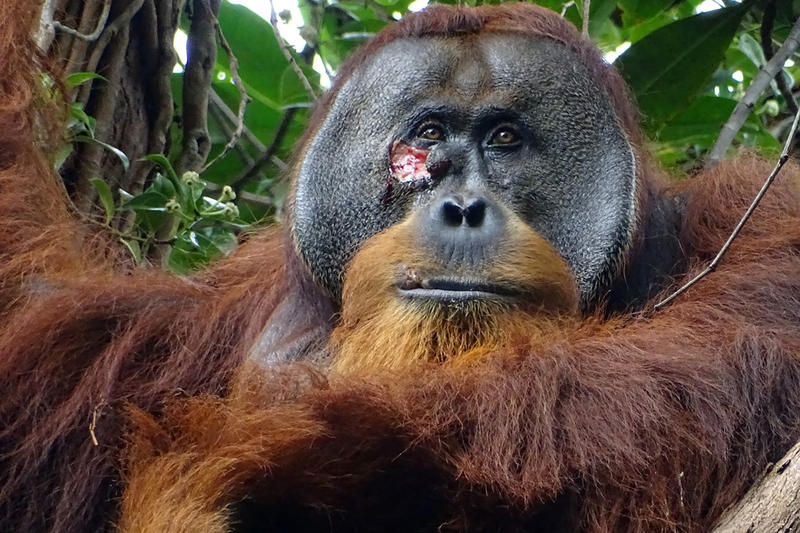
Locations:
(177, 162)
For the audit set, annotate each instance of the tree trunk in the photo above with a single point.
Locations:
(132, 48)
(772, 504)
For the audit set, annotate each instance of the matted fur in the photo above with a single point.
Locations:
(634, 423)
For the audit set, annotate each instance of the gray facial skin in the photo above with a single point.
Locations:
(570, 173)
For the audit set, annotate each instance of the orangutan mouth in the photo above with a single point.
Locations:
(451, 289)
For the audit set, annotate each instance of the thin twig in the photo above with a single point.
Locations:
(565, 7)
(745, 105)
(227, 130)
(101, 23)
(586, 6)
(259, 199)
(273, 20)
(219, 104)
(244, 98)
(93, 423)
(713, 265)
(266, 155)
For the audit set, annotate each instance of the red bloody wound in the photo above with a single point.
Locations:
(408, 162)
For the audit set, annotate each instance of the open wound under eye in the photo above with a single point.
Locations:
(408, 162)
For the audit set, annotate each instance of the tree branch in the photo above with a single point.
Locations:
(222, 121)
(772, 504)
(244, 98)
(745, 105)
(159, 21)
(47, 30)
(217, 102)
(197, 85)
(713, 265)
(586, 12)
(103, 111)
(119, 24)
(266, 154)
(273, 20)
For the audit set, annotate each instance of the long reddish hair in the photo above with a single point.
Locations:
(639, 423)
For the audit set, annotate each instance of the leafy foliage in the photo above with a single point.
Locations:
(687, 63)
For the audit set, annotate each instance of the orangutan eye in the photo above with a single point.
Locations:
(431, 132)
(505, 136)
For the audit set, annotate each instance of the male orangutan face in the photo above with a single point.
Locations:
(457, 178)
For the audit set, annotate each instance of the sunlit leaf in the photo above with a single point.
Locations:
(113, 149)
(147, 201)
(79, 78)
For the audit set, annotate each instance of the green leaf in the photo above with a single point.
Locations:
(134, 248)
(61, 155)
(752, 50)
(79, 78)
(124, 196)
(253, 41)
(668, 68)
(106, 198)
(162, 161)
(113, 149)
(640, 10)
(147, 201)
(77, 113)
(699, 125)
(163, 186)
(180, 190)
(196, 247)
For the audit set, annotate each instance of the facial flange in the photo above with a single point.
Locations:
(520, 120)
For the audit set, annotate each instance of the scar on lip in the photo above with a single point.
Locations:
(412, 279)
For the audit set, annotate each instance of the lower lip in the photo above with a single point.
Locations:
(451, 295)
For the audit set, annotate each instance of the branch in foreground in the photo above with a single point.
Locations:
(772, 504)
(713, 265)
(745, 105)
(266, 155)
(273, 20)
(244, 98)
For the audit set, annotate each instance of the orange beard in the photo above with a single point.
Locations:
(382, 329)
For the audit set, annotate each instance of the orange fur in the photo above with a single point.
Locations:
(641, 422)
(412, 331)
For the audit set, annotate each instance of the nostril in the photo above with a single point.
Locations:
(452, 213)
(474, 213)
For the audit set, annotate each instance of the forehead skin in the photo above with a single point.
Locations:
(567, 189)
